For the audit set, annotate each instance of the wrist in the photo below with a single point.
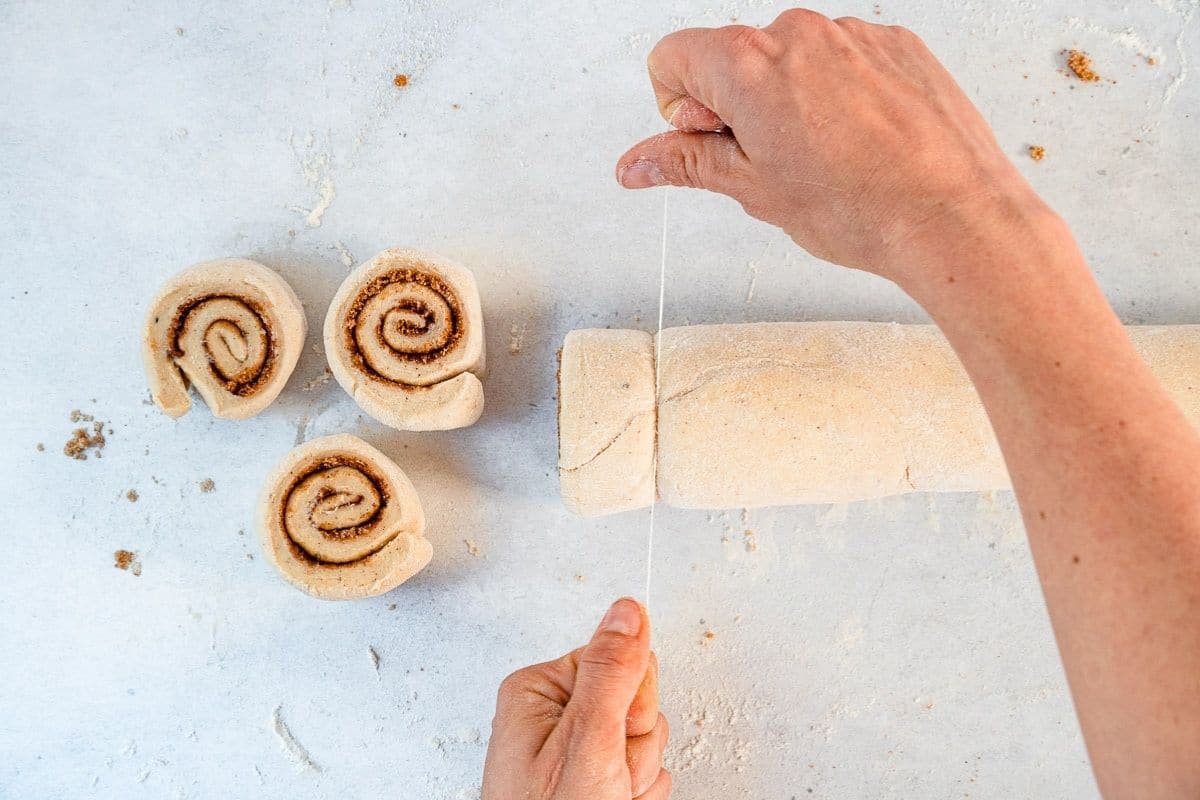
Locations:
(1010, 287)
(1001, 245)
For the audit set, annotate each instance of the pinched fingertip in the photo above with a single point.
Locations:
(689, 114)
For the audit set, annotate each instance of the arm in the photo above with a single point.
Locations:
(1105, 468)
(854, 140)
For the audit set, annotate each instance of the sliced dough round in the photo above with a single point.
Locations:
(231, 328)
(606, 421)
(341, 521)
(404, 336)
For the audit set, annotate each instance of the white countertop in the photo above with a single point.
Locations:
(896, 648)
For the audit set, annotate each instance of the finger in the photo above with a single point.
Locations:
(675, 81)
(660, 790)
(694, 63)
(643, 711)
(529, 703)
(689, 114)
(712, 161)
(643, 755)
(611, 668)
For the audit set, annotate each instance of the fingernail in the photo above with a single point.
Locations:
(641, 175)
(624, 617)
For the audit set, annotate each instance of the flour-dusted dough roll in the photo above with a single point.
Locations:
(606, 421)
(404, 336)
(1173, 353)
(820, 412)
(341, 521)
(232, 329)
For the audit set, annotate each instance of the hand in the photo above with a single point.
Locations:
(849, 136)
(585, 726)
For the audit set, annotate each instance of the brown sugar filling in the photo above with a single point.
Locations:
(243, 388)
(320, 465)
(432, 282)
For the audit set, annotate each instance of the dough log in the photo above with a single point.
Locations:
(790, 413)
(404, 336)
(340, 520)
(232, 329)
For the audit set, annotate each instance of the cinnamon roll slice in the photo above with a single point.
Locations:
(340, 520)
(232, 329)
(404, 336)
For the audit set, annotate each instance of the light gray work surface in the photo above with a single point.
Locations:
(896, 648)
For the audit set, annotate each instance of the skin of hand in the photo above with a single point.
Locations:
(585, 726)
(849, 136)
(855, 141)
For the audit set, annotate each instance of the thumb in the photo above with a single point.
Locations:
(610, 669)
(700, 160)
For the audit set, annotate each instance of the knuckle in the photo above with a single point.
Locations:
(744, 41)
(608, 659)
(906, 34)
(693, 167)
(657, 54)
(517, 684)
(801, 17)
(509, 688)
(851, 23)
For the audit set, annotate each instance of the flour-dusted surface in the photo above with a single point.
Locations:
(887, 649)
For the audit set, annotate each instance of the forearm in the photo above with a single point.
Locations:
(1105, 468)
(857, 142)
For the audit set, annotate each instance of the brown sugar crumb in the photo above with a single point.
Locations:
(1151, 60)
(81, 441)
(207, 485)
(132, 495)
(751, 544)
(472, 548)
(1037, 152)
(709, 636)
(79, 416)
(400, 81)
(127, 560)
(1080, 64)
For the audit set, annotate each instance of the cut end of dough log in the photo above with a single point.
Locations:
(232, 329)
(606, 421)
(340, 520)
(404, 336)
